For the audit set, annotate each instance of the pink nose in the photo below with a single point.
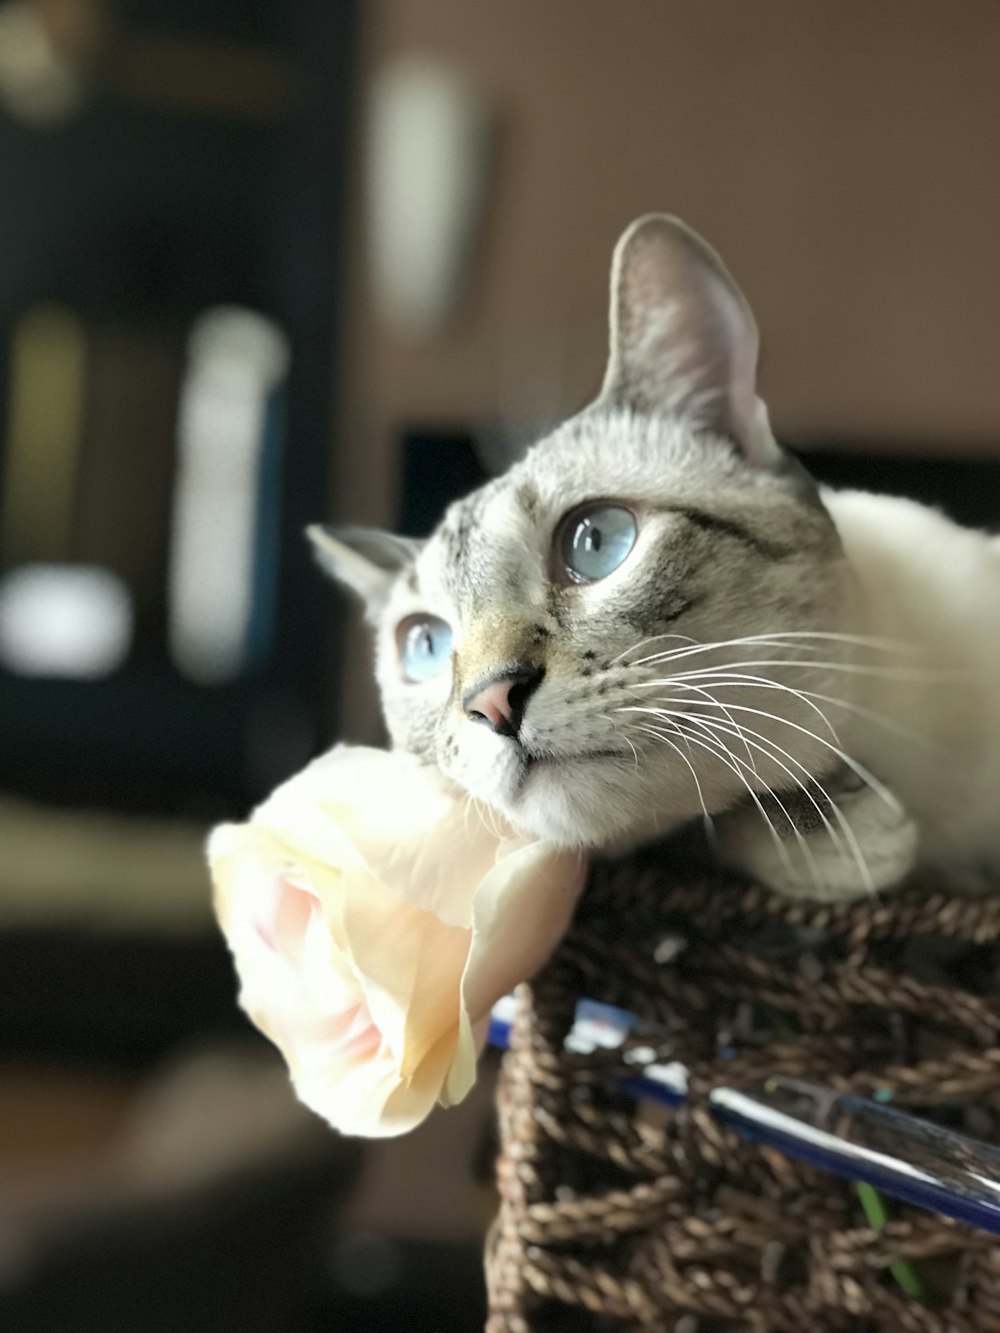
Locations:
(502, 702)
(493, 704)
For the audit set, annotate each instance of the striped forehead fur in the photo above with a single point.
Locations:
(613, 455)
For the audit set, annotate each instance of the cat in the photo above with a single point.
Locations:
(656, 616)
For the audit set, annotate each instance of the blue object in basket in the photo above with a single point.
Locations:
(858, 1138)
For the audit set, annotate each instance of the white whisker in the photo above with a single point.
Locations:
(778, 638)
(759, 743)
(489, 816)
(678, 654)
(853, 764)
(804, 847)
(660, 735)
(466, 811)
(701, 690)
(929, 675)
(653, 638)
(611, 723)
(732, 763)
(712, 725)
(855, 848)
(686, 679)
(738, 680)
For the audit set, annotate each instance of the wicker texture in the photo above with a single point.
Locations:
(613, 1219)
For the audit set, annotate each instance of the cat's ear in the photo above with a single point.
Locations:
(365, 560)
(683, 339)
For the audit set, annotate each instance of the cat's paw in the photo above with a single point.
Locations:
(843, 841)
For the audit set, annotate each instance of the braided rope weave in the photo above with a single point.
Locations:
(614, 1218)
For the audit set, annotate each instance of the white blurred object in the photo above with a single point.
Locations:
(64, 620)
(429, 151)
(236, 359)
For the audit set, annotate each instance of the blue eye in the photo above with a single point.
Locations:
(595, 541)
(424, 646)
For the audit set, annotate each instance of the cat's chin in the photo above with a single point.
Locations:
(593, 800)
(577, 802)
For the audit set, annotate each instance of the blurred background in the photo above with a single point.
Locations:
(265, 264)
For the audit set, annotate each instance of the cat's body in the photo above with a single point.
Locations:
(933, 586)
(656, 616)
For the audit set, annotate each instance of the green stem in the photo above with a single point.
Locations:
(907, 1275)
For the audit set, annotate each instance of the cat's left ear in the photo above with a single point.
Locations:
(683, 338)
(364, 560)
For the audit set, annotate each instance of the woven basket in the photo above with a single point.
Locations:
(613, 1219)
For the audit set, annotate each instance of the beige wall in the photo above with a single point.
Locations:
(843, 155)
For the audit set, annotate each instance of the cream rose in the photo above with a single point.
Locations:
(375, 916)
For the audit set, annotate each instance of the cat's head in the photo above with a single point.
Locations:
(523, 648)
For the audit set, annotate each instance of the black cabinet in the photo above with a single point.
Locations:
(170, 242)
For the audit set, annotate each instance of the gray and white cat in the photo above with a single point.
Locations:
(657, 616)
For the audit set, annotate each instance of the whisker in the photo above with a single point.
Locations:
(737, 680)
(653, 638)
(856, 853)
(701, 690)
(732, 763)
(677, 654)
(853, 764)
(489, 818)
(611, 722)
(711, 726)
(785, 638)
(707, 818)
(685, 678)
(804, 847)
(737, 765)
(479, 809)
(928, 675)
(466, 811)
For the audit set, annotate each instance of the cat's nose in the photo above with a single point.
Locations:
(501, 702)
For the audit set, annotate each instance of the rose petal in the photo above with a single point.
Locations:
(394, 815)
(410, 964)
(522, 910)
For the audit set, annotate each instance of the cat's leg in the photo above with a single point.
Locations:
(842, 841)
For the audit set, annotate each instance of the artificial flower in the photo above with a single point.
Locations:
(375, 915)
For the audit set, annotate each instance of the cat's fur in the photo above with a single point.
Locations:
(859, 734)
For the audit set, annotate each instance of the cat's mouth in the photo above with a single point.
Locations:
(531, 759)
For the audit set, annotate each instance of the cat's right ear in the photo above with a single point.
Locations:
(683, 339)
(364, 560)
